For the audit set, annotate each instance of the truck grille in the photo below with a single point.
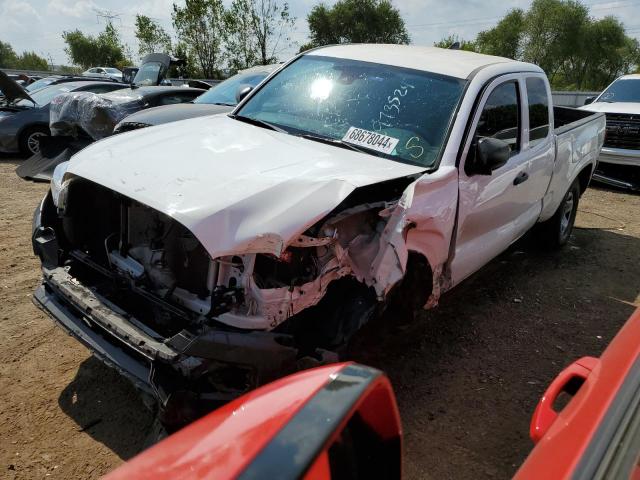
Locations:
(623, 131)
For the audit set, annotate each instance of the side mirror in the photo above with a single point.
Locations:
(490, 154)
(589, 100)
(242, 92)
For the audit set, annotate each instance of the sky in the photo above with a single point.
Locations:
(37, 25)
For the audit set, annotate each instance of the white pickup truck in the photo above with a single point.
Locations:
(619, 162)
(207, 256)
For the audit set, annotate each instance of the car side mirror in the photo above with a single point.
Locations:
(589, 100)
(490, 154)
(242, 92)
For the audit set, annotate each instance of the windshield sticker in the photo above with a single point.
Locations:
(372, 140)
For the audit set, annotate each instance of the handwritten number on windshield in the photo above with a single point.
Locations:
(392, 106)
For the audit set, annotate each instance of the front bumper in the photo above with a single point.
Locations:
(619, 167)
(620, 156)
(187, 374)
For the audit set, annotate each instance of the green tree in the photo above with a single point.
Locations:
(576, 51)
(448, 41)
(357, 21)
(151, 36)
(608, 53)
(505, 39)
(187, 69)
(306, 46)
(200, 26)
(32, 61)
(242, 44)
(271, 21)
(104, 50)
(8, 57)
(552, 32)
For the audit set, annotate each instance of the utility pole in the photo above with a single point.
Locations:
(108, 15)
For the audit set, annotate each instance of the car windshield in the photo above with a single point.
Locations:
(38, 84)
(149, 74)
(45, 95)
(112, 70)
(622, 90)
(388, 111)
(225, 93)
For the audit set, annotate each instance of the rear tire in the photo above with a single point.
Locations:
(30, 140)
(555, 232)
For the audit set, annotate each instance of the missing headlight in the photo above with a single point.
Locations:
(295, 267)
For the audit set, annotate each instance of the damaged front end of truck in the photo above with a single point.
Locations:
(194, 330)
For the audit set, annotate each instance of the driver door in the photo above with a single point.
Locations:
(492, 211)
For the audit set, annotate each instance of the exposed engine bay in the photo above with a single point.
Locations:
(153, 256)
(131, 265)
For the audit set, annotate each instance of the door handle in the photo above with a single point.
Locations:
(544, 414)
(522, 177)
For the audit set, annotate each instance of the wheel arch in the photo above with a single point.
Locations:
(584, 177)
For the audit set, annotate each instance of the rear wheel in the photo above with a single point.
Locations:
(30, 139)
(555, 232)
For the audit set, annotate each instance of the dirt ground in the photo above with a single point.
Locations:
(467, 375)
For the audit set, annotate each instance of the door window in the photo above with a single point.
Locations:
(500, 117)
(538, 101)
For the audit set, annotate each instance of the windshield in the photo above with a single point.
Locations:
(622, 90)
(38, 84)
(392, 112)
(45, 95)
(149, 74)
(225, 92)
(112, 70)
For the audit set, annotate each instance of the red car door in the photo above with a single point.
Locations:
(597, 433)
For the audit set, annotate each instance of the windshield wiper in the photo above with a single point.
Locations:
(258, 123)
(225, 104)
(337, 143)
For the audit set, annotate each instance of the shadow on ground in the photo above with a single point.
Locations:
(468, 374)
(107, 407)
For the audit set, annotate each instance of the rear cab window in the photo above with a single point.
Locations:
(538, 102)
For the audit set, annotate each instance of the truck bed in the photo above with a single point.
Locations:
(566, 118)
(579, 135)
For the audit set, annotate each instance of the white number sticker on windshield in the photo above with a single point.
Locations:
(372, 140)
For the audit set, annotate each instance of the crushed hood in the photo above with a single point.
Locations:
(239, 188)
(11, 90)
(613, 107)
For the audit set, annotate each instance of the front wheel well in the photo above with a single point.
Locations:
(413, 291)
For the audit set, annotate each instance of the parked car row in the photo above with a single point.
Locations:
(24, 117)
(77, 119)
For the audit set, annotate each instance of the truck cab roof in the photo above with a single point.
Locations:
(453, 63)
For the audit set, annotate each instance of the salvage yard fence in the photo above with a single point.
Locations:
(571, 99)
